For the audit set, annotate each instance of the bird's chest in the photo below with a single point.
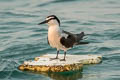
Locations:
(53, 37)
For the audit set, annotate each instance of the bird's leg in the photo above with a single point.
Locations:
(64, 57)
(56, 56)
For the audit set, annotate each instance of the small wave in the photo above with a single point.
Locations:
(103, 22)
(17, 14)
(87, 23)
(113, 14)
(43, 4)
(116, 36)
(104, 49)
(58, 1)
(72, 22)
(14, 23)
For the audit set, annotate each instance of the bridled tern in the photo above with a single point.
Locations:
(61, 39)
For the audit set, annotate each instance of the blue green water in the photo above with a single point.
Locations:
(22, 39)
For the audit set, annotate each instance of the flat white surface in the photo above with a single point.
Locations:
(70, 59)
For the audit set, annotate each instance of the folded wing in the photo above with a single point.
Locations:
(72, 39)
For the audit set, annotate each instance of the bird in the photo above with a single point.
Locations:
(61, 39)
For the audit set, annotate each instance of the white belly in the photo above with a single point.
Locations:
(54, 40)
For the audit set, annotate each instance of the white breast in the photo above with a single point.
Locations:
(54, 36)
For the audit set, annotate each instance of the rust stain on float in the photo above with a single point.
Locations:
(57, 68)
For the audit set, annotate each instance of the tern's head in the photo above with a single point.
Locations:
(51, 20)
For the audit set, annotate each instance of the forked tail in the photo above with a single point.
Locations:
(79, 38)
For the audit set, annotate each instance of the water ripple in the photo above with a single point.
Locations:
(11, 14)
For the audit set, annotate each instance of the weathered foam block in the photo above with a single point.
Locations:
(73, 62)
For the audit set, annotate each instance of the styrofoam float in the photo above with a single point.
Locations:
(73, 62)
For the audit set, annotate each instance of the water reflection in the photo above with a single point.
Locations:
(71, 75)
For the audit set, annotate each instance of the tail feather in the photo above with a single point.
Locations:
(80, 36)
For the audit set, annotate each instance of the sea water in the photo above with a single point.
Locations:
(22, 39)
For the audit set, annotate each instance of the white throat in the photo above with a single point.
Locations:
(53, 30)
(53, 23)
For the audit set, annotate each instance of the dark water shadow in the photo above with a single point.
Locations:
(70, 75)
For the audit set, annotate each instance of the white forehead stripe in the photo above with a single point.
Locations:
(49, 18)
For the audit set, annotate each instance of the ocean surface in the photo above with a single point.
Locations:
(22, 39)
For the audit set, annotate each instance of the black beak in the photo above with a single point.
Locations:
(43, 22)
